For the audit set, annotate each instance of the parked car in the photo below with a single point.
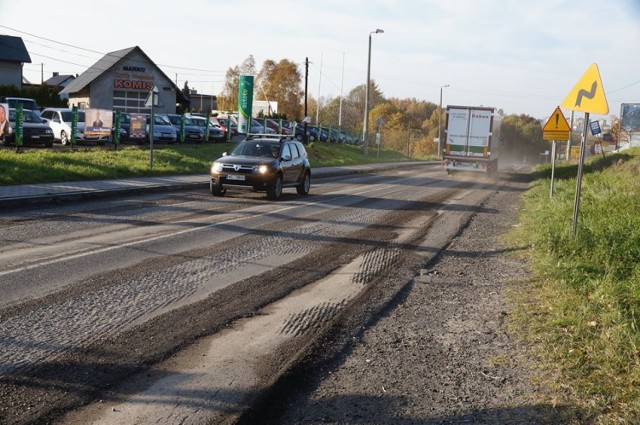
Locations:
(263, 164)
(216, 134)
(225, 125)
(27, 103)
(192, 132)
(59, 119)
(275, 126)
(257, 127)
(163, 130)
(35, 130)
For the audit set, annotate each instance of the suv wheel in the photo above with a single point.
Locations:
(305, 185)
(274, 191)
(216, 189)
(64, 140)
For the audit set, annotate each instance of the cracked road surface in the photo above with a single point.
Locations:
(184, 308)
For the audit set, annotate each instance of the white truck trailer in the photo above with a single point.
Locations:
(473, 139)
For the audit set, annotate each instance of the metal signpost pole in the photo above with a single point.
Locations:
(576, 205)
(151, 138)
(553, 166)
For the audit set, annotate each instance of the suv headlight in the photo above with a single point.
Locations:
(216, 167)
(263, 169)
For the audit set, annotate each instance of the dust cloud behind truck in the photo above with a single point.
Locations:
(473, 139)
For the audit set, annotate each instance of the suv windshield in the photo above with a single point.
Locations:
(26, 103)
(27, 116)
(263, 148)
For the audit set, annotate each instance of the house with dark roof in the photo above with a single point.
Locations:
(13, 55)
(121, 81)
(60, 81)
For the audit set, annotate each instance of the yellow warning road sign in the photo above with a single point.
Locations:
(588, 94)
(556, 127)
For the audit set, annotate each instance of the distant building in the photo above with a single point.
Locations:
(60, 82)
(13, 55)
(264, 107)
(122, 81)
(205, 103)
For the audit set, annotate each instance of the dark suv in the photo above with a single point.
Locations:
(263, 164)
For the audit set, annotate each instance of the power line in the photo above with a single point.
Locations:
(102, 53)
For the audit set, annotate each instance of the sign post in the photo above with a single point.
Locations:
(555, 129)
(586, 96)
(151, 102)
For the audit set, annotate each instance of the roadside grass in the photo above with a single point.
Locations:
(97, 163)
(583, 309)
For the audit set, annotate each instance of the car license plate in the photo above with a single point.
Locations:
(166, 134)
(193, 136)
(235, 177)
(35, 137)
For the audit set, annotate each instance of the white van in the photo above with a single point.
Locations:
(26, 103)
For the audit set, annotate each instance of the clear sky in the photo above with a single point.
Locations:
(518, 55)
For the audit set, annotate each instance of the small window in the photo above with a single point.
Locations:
(286, 151)
(294, 151)
(303, 152)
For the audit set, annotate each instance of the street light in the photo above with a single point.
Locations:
(365, 131)
(439, 119)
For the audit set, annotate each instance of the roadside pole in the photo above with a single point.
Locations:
(153, 100)
(553, 166)
(151, 141)
(576, 203)
(556, 128)
(587, 96)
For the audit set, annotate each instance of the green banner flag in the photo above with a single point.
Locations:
(116, 129)
(182, 130)
(245, 102)
(74, 125)
(19, 125)
(206, 128)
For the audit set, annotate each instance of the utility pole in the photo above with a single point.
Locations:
(306, 89)
(318, 103)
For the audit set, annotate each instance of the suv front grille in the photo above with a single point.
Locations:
(240, 169)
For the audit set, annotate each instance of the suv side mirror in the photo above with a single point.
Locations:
(286, 157)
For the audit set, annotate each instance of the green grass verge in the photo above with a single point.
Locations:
(583, 308)
(45, 165)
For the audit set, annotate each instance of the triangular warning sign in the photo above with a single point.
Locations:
(588, 94)
(556, 122)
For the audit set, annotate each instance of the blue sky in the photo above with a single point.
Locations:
(523, 57)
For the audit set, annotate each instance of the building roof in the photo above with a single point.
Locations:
(56, 80)
(12, 49)
(107, 62)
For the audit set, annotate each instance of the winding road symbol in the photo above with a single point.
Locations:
(588, 94)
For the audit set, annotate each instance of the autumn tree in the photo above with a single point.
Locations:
(281, 82)
(228, 99)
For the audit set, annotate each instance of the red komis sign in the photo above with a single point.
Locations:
(135, 85)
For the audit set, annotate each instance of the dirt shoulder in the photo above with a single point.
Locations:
(440, 352)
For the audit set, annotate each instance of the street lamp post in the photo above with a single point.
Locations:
(365, 130)
(439, 119)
